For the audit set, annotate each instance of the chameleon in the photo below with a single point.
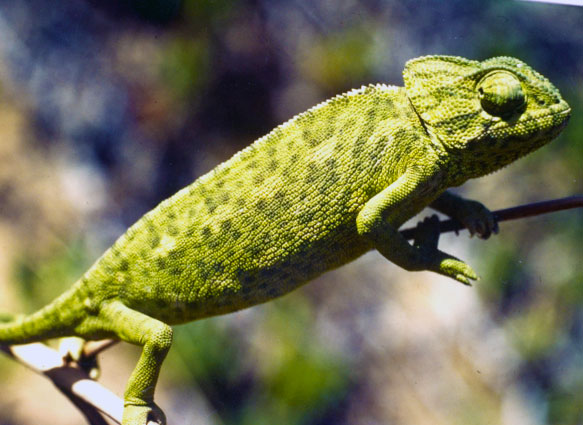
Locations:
(316, 192)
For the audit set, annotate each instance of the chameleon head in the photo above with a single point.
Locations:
(484, 114)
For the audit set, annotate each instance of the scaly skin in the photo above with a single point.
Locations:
(315, 193)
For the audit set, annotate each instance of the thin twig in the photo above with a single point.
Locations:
(86, 394)
(73, 382)
(521, 211)
(93, 348)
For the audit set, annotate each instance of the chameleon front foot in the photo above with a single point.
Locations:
(426, 239)
(478, 219)
(134, 414)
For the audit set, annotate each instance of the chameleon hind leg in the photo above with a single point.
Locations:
(155, 338)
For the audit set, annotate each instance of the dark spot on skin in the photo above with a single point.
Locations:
(224, 197)
(272, 166)
(160, 263)
(331, 179)
(175, 271)
(358, 148)
(330, 163)
(261, 204)
(314, 142)
(312, 168)
(220, 184)
(235, 234)
(307, 217)
(155, 241)
(210, 204)
(271, 150)
(199, 264)
(330, 129)
(177, 253)
(372, 157)
(252, 164)
(255, 250)
(281, 200)
(206, 232)
(226, 226)
(258, 178)
(371, 115)
(124, 265)
(349, 125)
(171, 215)
(172, 230)
(203, 274)
(400, 134)
(189, 232)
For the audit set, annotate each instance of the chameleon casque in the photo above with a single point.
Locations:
(317, 192)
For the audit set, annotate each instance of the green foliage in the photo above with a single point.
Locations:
(41, 280)
(339, 59)
(185, 67)
(291, 379)
(207, 12)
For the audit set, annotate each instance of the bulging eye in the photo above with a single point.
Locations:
(501, 93)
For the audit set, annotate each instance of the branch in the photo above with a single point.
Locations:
(91, 397)
(521, 211)
(87, 395)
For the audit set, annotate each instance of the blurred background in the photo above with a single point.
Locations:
(108, 107)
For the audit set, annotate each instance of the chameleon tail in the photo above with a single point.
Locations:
(57, 319)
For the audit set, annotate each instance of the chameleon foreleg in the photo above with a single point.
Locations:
(380, 218)
(473, 215)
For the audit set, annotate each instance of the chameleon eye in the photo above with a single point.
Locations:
(501, 93)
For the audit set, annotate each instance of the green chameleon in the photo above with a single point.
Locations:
(317, 192)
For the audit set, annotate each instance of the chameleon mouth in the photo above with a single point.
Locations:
(534, 127)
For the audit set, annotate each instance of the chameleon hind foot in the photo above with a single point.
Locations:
(136, 414)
